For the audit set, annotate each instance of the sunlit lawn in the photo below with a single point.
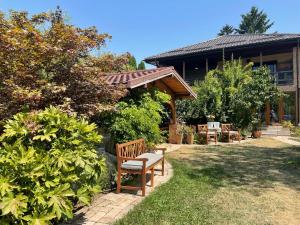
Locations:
(257, 183)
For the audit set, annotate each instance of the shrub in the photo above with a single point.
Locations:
(48, 162)
(236, 94)
(139, 117)
(287, 124)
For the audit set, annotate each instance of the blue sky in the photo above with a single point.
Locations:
(145, 28)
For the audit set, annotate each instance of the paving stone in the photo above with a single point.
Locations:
(97, 216)
(107, 220)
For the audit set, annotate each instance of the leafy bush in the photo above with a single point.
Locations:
(235, 94)
(139, 117)
(48, 162)
(287, 124)
(295, 131)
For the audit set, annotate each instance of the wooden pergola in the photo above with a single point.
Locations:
(164, 78)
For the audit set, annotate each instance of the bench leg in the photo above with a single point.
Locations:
(143, 184)
(163, 167)
(152, 177)
(119, 182)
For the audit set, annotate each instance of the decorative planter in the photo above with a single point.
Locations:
(256, 134)
(190, 139)
(178, 138)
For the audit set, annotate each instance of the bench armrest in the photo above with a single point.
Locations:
(160, 149)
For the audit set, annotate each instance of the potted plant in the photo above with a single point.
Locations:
(189, 135)
(179, 134)
(256, 131)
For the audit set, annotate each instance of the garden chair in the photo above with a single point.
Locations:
(203, 131)
(229, 131)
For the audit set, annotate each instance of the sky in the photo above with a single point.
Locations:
(145, 28)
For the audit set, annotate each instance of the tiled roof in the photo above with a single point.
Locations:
(141, 77)
(226, 41)
(137, 77)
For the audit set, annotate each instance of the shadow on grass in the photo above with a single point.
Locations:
(250, 166)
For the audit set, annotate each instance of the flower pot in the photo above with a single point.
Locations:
(190, 139)
(256, 134)
(178, 138)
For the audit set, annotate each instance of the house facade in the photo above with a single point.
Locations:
(280, 52)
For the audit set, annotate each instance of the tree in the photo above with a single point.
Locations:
(132, 62)
(254, 22)
(235, 94)
(53, 66)
(141, 66)
(226, 30)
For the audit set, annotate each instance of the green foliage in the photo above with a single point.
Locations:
(234, 94)
(48, 161)
(141, 66)
(295, 131)
(254, 22)
(45, 61)
(226, 30)
(132, 62)
(287, 124)
(139, 117)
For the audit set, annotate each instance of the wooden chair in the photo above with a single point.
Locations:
(208, 134)
(134, 158)
(230, 132)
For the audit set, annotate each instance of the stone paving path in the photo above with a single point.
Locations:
(107, 208)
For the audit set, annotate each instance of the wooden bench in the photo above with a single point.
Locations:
(134, 158)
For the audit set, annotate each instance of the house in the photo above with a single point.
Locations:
(280, 52)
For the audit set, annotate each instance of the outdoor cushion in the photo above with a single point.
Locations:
(233, 132)
(138, 165)
(209, 132)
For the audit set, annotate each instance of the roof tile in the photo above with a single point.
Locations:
(226, 41)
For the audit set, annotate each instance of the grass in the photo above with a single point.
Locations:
(257, 183)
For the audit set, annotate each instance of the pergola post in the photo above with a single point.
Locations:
(173, 111)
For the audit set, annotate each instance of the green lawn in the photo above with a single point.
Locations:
(257, 183)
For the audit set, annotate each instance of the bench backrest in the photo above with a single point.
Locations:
(202, 127)
(226, 127)
(131, 149)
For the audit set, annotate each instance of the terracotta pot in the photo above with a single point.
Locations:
(190, 139)
(178, 138)
(256, 134)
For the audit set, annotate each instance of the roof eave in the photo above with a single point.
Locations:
(152, 60)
